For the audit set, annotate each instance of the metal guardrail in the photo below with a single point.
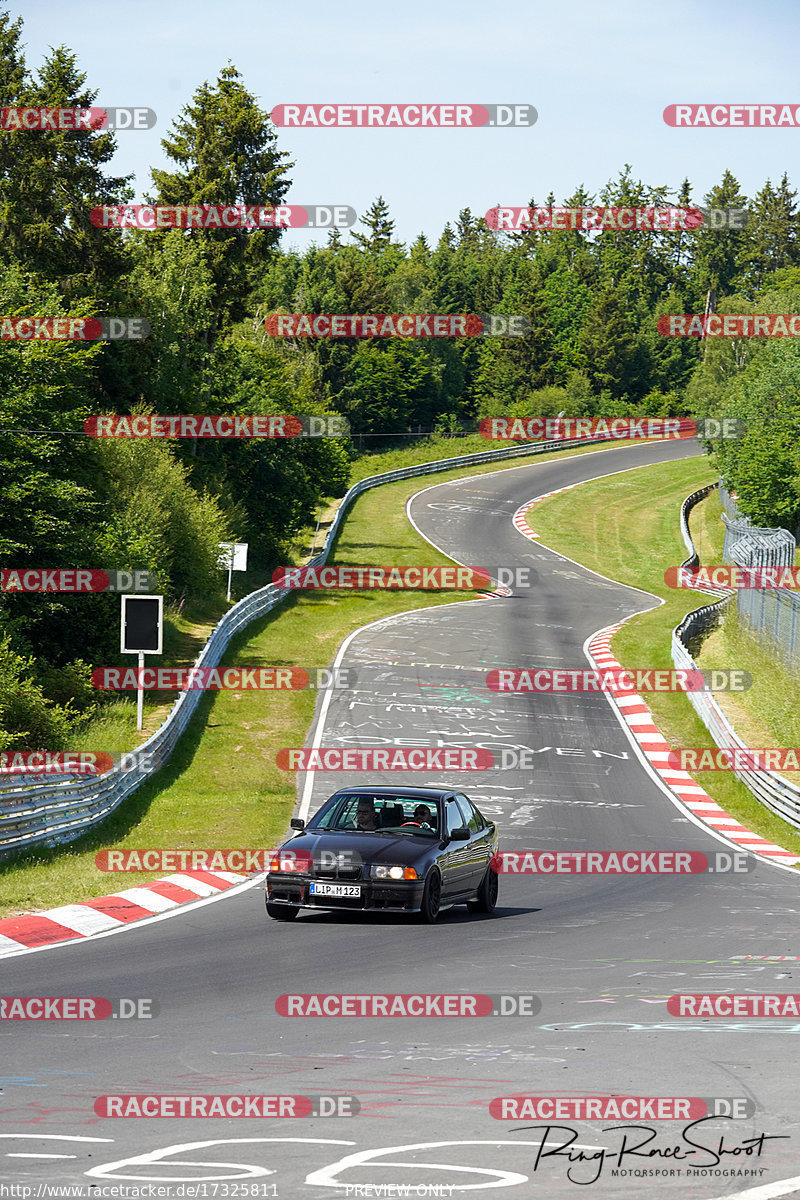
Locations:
(55, 813)
(729, 504)
(778, 794)
(773, 614)
(694, 559)
(748, 545)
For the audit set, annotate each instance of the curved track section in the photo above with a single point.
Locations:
(602, 953)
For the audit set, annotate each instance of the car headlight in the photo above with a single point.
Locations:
(382, 871)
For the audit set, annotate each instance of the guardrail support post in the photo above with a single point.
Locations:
(139, 691)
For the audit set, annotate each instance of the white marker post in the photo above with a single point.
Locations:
(141, 632)
(233, 557)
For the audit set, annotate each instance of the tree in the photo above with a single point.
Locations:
(614, 360)
(380, 226)
(771, 237)
(225, 148)
(48, 474)
(390, 388)
(170, 284)
(50, 180)
(718, 253)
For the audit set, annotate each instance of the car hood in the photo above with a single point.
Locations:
(370, 847)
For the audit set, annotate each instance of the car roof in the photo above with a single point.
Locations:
(424, 793)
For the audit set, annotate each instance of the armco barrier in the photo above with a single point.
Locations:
(54, 813)
(778, 794)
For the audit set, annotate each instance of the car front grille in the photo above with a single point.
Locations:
(337, 873)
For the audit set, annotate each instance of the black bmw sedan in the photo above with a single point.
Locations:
(394, 849)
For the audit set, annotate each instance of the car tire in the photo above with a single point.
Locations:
(486, 901)
(282, 912)
(431, 898)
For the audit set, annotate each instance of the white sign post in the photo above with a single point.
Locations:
(141, 632)
(233, 557)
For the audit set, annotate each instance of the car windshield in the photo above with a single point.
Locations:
(365, 813)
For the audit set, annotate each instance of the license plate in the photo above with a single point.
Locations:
(335, 889)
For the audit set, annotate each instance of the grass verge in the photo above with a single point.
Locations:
(767, 713)
(221, 787)
(627, 527)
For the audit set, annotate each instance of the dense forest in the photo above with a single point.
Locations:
(592, 300)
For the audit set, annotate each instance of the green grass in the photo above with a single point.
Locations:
(767, 713)
(627, 527)
(221, 787)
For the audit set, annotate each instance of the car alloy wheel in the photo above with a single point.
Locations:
(431, 897)
(487, 893)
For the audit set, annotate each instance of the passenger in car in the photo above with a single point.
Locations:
(365, 815)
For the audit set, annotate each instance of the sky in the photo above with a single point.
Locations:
(598, 72)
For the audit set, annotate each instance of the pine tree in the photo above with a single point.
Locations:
(380, 226)
(718, 253)
(225, 149)
(771, 241)
(50, 180)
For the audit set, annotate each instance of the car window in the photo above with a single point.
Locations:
(472, 818)
(454, 818)
(376, 813)
(424, 816)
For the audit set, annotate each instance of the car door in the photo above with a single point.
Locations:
(455, 858)
(479, 848)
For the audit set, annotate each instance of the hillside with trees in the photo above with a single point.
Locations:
(592, 301)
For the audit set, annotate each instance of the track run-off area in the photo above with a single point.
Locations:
(602, 953)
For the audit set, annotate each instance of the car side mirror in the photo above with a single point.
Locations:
(460, 835)
(297, 823)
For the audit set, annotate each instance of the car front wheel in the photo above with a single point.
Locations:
(431, 898)
(487, 894)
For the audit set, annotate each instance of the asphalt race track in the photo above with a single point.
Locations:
(601, 953)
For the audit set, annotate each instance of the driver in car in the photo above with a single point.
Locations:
(422, 817)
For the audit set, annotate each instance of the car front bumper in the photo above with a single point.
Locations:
(376, 894)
